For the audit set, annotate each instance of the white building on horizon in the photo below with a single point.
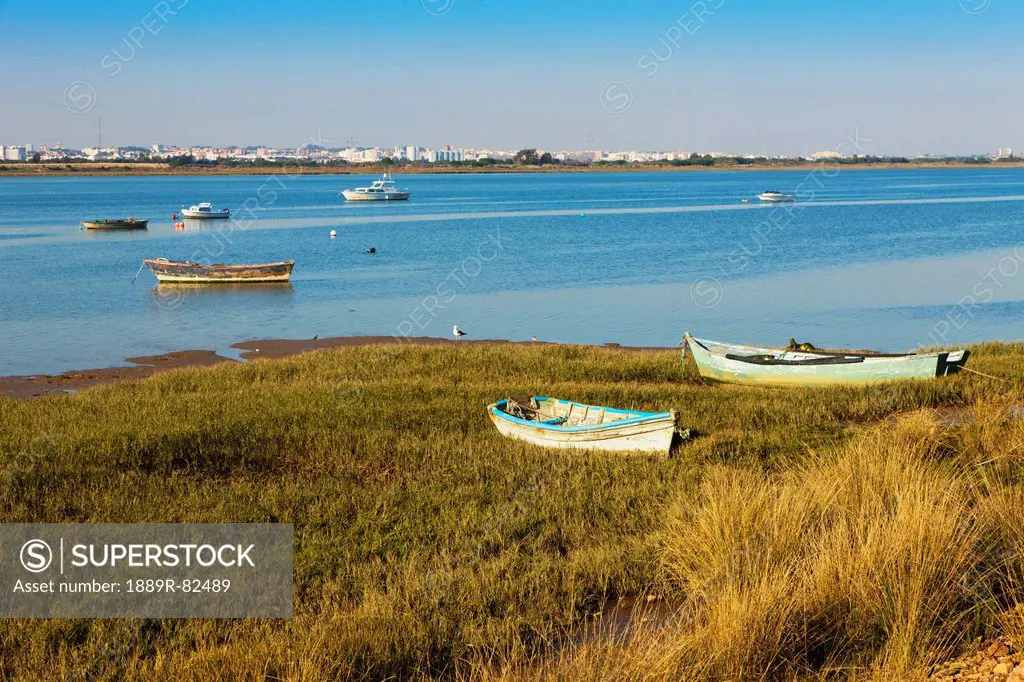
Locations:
(13, 153)
(446, 155)
(355, 155)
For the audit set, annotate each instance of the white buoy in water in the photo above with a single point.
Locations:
(334, 233)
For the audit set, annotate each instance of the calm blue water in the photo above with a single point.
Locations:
(881, 259)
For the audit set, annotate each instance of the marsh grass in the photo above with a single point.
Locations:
(801, 531)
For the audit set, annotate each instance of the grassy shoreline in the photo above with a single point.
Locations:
(135, 368)
(426, 545)
(88, 169)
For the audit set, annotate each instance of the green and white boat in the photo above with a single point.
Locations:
(758, 366)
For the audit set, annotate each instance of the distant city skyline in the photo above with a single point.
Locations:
(779, 78)
(853, 146)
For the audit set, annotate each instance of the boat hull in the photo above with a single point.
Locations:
(194, 215)
(175, 272)
(776, 198)
(738, 364)
(351, 195)
(115, 224)
(646, 432)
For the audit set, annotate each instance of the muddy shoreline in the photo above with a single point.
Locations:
(30, 386)
(36, 385)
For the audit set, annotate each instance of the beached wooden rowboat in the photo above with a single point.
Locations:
(198, 273)
(754, 365)
(115, 224)
(564, 424)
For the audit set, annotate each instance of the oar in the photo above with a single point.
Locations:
(138, 273)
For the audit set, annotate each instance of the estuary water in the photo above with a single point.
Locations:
(886, 259)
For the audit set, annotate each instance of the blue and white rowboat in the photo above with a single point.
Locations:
(564, 424)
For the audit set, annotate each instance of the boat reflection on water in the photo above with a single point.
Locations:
(173, 294)
(196, 226)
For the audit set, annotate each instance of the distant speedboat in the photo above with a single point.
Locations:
(187, 272)
(381, 190)
(771, 196)
(205, 211)
(115, 224)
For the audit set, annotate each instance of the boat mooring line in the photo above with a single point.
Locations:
(964, 368)
(138, 273)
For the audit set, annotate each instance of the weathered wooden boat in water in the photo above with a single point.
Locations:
(759, 366)
(564, 424)
(115, 224)
(186, 272)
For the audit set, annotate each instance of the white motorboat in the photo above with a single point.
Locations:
(381, 190)
(205, 211)
(773, 197)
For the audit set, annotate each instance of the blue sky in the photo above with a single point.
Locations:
(775, 76)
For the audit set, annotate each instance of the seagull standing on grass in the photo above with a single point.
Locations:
(456, 332)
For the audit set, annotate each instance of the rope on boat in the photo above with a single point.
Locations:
(974, 371)
(138, 273)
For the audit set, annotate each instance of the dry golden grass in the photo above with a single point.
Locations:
(883, 555)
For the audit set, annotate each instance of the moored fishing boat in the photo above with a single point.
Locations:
(760, 366)
(205, 211)
(187, 272)
(380, 190)
(115, 224)
(565, 424)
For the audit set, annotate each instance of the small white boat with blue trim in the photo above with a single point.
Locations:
(565, 424)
